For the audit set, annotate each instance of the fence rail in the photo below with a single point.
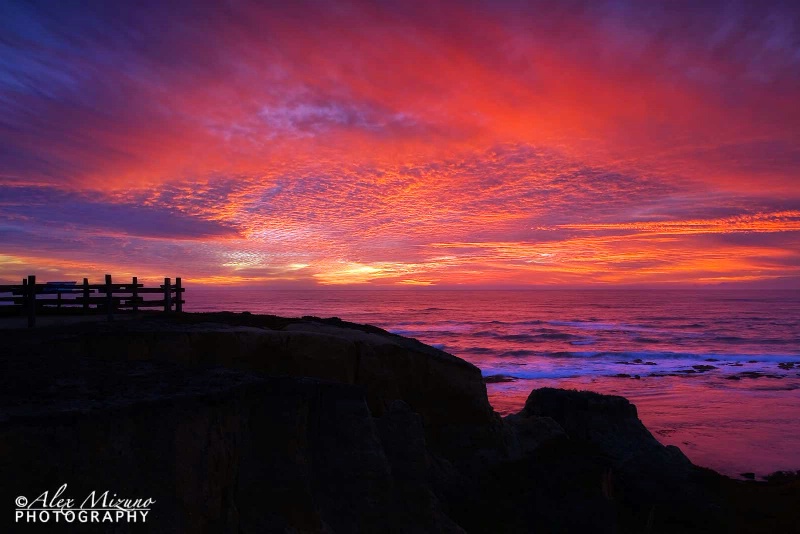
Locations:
(89, 298)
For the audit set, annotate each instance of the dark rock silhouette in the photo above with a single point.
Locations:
(446, 391)
(245, 423)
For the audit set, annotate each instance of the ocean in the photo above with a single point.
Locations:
(714, 372)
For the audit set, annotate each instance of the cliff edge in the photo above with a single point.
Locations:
(244, 423)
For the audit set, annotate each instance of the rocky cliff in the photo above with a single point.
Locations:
(241, 423)
(447, 392)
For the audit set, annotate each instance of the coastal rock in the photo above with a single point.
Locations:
(414, 471)
(387, 436)
(218, 450)
(609, 421)
(447, 392)
(657, 483)
(528, 433)
(495, 379)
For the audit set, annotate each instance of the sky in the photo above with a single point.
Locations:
(402, 144)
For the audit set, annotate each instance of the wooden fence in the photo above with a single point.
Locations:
(69, 297)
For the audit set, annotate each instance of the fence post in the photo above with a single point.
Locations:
(178, 295)
(31, 300)
(58, 294)
(167, 295)
(24, 308)
(135, 294)
(85, 295)
(109, 298)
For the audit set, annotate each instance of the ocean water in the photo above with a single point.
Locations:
(715, 372)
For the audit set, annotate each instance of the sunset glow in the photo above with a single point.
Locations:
(485, 144)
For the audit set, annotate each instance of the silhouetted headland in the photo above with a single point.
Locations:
(252, 423)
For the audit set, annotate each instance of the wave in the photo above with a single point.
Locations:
(478, 350)
(484, 333)
(647, 340)
(547, 335)
(428, 333)
(626, 357)
(760, 341)
(531, 374)
(664, 355)
(519, 352)
(598, 325)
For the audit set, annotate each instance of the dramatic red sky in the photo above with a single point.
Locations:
(496, 144)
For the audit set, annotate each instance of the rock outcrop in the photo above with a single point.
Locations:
(644, 484)
(218, 450)
(241, 423)
(447, 392)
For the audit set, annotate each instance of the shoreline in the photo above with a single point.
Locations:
(393, 412)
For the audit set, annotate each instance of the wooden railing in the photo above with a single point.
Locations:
(89, 298)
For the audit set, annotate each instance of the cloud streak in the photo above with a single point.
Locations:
(784, 221)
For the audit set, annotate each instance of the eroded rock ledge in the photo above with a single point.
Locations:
(243, 423)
